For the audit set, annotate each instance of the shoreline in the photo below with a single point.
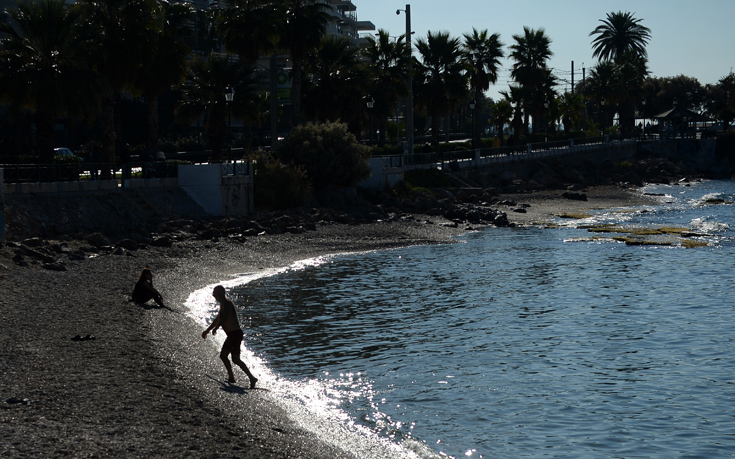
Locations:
(147, 384)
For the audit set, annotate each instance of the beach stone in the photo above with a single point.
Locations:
(34, 242)
(162, 241)
(128, 244)
(98, 240)
(210, 234)
(54, 266)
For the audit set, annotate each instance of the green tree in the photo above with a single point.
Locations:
(602, 87)
(121, 36)
(482, 53)
(440, 77)
(530, 53)
(249, 28)
(571, 109)
(335, 83)
(388, 70)
(619, 35)
(304, 23)
(501, 113)
(622, 39)
(720, 100)
(204, 96)
(331, 155)
(42, 66)
(168, 64)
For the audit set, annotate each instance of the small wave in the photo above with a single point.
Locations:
(702, 224)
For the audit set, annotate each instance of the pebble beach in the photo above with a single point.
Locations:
(86, 373)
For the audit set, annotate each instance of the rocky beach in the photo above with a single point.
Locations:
(86, 373)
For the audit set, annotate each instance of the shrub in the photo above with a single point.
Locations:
(278, 185)
(330, 155)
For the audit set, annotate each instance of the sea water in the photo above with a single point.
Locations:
(514, 342)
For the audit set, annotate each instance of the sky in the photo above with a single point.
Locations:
(695, 38)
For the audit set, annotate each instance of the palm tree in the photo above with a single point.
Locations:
(602, 86)
(618, 35)
(204, 95)
(501, 113)
(304, 23)
(122, 37)
(388, 71)
(530, 52)
(482, 54)
(335, 84)
(248, 28)
(571, 108)
(440, 78)
(168, 64)
(42, 66)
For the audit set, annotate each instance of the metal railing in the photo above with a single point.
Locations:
(76, 172)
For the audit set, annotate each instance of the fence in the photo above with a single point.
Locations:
(77, 172)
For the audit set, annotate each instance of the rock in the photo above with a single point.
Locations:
(98, 240)
(54, 266)
(128, 244)
(162, 241)
(34, 242)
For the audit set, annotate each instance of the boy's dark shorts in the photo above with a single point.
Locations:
(233, 341)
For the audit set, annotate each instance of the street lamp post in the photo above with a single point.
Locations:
(645, 129)
(370, 103)
(229, 97)
(602, 115)
(472, 107)
(409, 80)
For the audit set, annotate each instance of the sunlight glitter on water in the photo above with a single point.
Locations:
(313, 404)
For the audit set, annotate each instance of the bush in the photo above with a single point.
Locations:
(330, 155)
(278, 185)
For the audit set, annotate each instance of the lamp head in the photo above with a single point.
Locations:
(398, 12)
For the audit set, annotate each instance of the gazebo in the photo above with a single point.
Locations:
(681, 119)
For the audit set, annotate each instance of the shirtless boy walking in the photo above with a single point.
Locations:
(227, 319)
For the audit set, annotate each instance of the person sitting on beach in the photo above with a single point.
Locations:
(144, 291)
(227, 319)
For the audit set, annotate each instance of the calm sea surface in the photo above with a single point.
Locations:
(516, 342)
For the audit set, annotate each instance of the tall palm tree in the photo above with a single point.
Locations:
(482, 53)
(602, 86)
(620, 34)
(42, 67)
(168, 64)
(440, 77)
(571, 108)
(388, 70)
(248, 28)
(501, 113)
(121, 36)
(304, 23)
(531, 51)
(335, 84)
(203, 95)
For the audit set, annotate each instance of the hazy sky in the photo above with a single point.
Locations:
(695, 38)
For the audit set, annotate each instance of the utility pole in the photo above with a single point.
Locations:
(572, 77)
(409, 81)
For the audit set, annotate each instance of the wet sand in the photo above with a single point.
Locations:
(145, 384)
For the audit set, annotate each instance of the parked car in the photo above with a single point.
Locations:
(65, 152)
